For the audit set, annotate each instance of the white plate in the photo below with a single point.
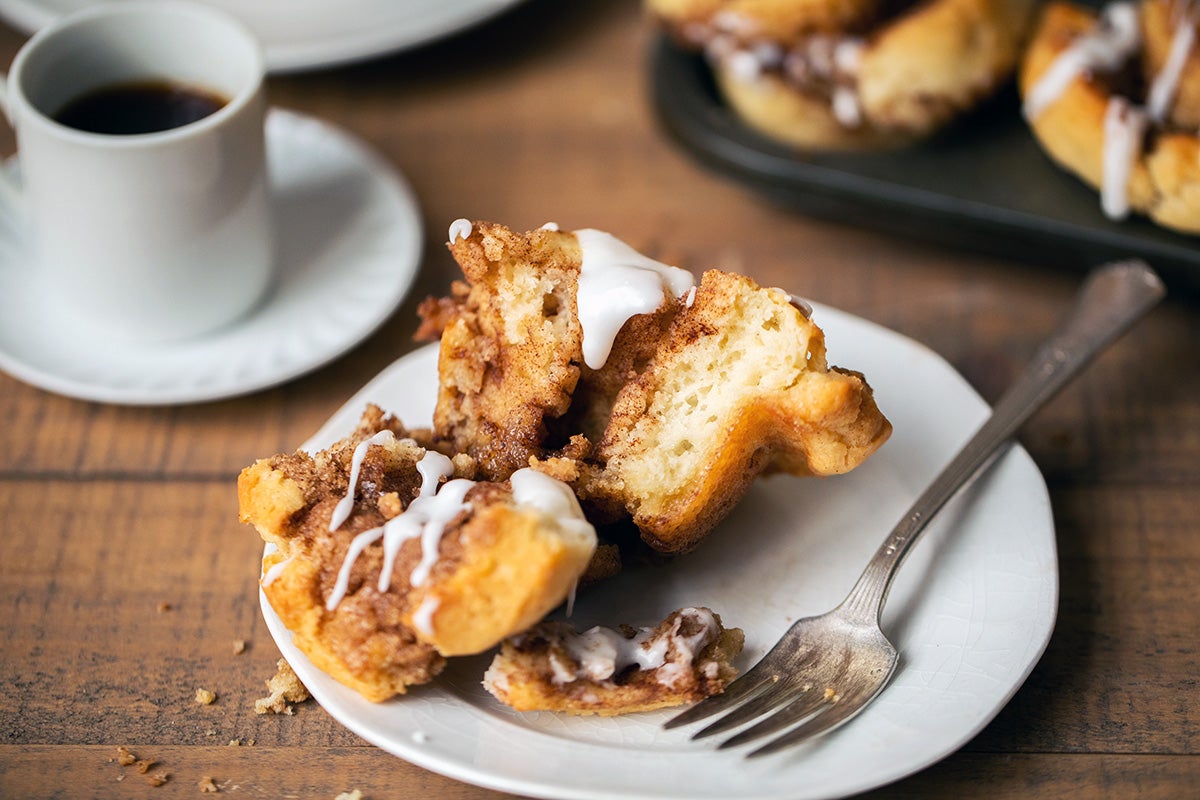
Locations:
(304, 34)
(349, 247)
(970, 613)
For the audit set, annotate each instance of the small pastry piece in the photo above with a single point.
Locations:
(827, 75)
(388, 557)
(1114, 98)
(657, 399)
(683, 659)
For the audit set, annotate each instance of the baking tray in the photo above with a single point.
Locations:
(984, 183)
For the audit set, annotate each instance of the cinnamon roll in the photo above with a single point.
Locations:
(850, 75)
(1114, 97)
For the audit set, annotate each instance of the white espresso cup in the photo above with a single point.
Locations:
(151, 236)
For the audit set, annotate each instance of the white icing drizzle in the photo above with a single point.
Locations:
(744, 65)
(615, 283)
(275, 571)
(602, 653)
(550, 226)
(1124, 127)
(1166, 82)
(847, 110)
(432, 467)
(599, 652)
(847, 55)
(428, 515)
(551, 497)
(401, 528)
(434, 513)
(844, 99)
(341, 512)
(460, 229)
(690, 300)
(1105, 48)
(422, 618)
(357, 545)
(571, 597)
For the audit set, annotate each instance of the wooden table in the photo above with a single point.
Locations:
(125, 577)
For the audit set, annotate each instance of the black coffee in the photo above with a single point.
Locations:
(132, 108)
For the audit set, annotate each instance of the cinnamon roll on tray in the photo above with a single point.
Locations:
(860, 74)
(1114, 97)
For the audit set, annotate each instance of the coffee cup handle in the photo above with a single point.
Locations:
(11, 198)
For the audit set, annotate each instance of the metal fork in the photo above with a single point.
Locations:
(826, 669)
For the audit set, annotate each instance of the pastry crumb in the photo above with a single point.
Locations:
(354, 795)
(208, 786)
(285, 688)
(235, 742)
(239, 646)
(205, 698)
(127, 758)
(164, 607)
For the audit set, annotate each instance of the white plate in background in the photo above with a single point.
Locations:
(306, 34)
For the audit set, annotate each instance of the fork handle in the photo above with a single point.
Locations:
(1112, 298)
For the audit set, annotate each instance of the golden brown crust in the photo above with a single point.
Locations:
(917, 65)
(528, 673)
(500, 567)
(687, 410)
(1164, 180)
(939, 60)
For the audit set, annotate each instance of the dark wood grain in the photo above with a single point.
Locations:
(125, 577)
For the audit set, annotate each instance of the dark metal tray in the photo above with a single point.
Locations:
(984, 183)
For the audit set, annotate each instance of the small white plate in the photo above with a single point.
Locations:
(971, 611)
(305, 34)
(349, 246)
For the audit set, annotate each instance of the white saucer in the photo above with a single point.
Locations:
(349, 239)
(304, 34)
